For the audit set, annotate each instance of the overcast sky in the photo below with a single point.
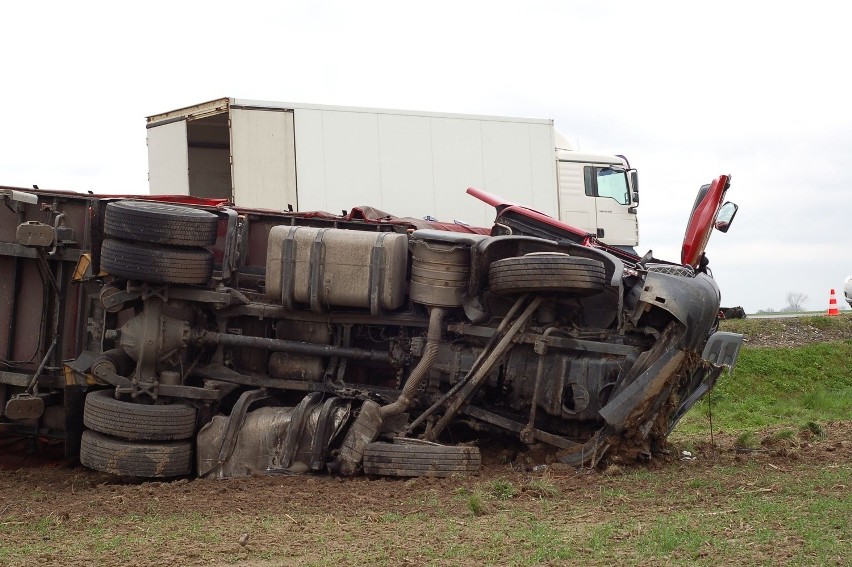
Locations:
(685, 90)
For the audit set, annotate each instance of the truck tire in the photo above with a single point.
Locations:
(547, 272)
(156, 264)
(137, 422)
(419, 458)
(160, 223)
(126, 458)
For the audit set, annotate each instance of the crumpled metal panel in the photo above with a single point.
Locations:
(263, 430)
(692, 301)
(258, 441)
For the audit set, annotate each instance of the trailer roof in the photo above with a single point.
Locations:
(222, 105)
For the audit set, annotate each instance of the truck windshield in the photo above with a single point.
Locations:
(612, 183)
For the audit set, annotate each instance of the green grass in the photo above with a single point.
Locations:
(503, 489)
(779, 387)
(476, 504)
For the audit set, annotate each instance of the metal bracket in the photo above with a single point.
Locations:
(317, 271)
(236, 420)
(377, 275)
(294, 432)
(288, 268)
(512, 425)
(325, 427)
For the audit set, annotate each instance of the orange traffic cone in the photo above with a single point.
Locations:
(832, 305)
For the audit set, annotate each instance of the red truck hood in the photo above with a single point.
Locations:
(707, 203)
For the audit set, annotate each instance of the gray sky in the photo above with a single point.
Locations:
(685, 90)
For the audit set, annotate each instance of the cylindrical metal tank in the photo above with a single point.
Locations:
(440, 266)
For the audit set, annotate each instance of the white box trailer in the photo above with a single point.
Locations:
(275, 155)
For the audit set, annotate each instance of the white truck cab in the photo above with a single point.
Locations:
(598, 193)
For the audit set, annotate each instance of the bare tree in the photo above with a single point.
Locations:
(795, 301)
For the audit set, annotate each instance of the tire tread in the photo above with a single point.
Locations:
(156, 264)
(126, 458)
(137, 422)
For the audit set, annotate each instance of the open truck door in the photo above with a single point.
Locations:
(708, 213)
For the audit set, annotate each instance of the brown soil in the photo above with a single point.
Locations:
(66, 491)
(308, 509)
(36, 491)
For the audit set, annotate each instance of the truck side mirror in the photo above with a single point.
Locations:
(725, 216)
(634, 186)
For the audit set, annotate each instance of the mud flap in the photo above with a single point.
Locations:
(723, 348)
(720, 352)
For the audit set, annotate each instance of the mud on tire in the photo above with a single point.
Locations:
(127, 458)
(160, 223)
(137, 422)
(547, 272)
(411, 457)
(156, 264)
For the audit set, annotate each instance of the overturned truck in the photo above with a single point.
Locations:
(161, 337)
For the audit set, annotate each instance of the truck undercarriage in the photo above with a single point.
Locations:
(160, 339)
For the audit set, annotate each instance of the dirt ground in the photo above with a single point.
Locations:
(66, 491)
(60, 513)
(280, 520)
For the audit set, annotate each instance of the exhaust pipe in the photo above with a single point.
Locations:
(369, 421)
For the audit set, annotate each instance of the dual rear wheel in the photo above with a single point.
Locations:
(133, 439)
(158, 243)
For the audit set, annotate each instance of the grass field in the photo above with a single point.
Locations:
(789, 387)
